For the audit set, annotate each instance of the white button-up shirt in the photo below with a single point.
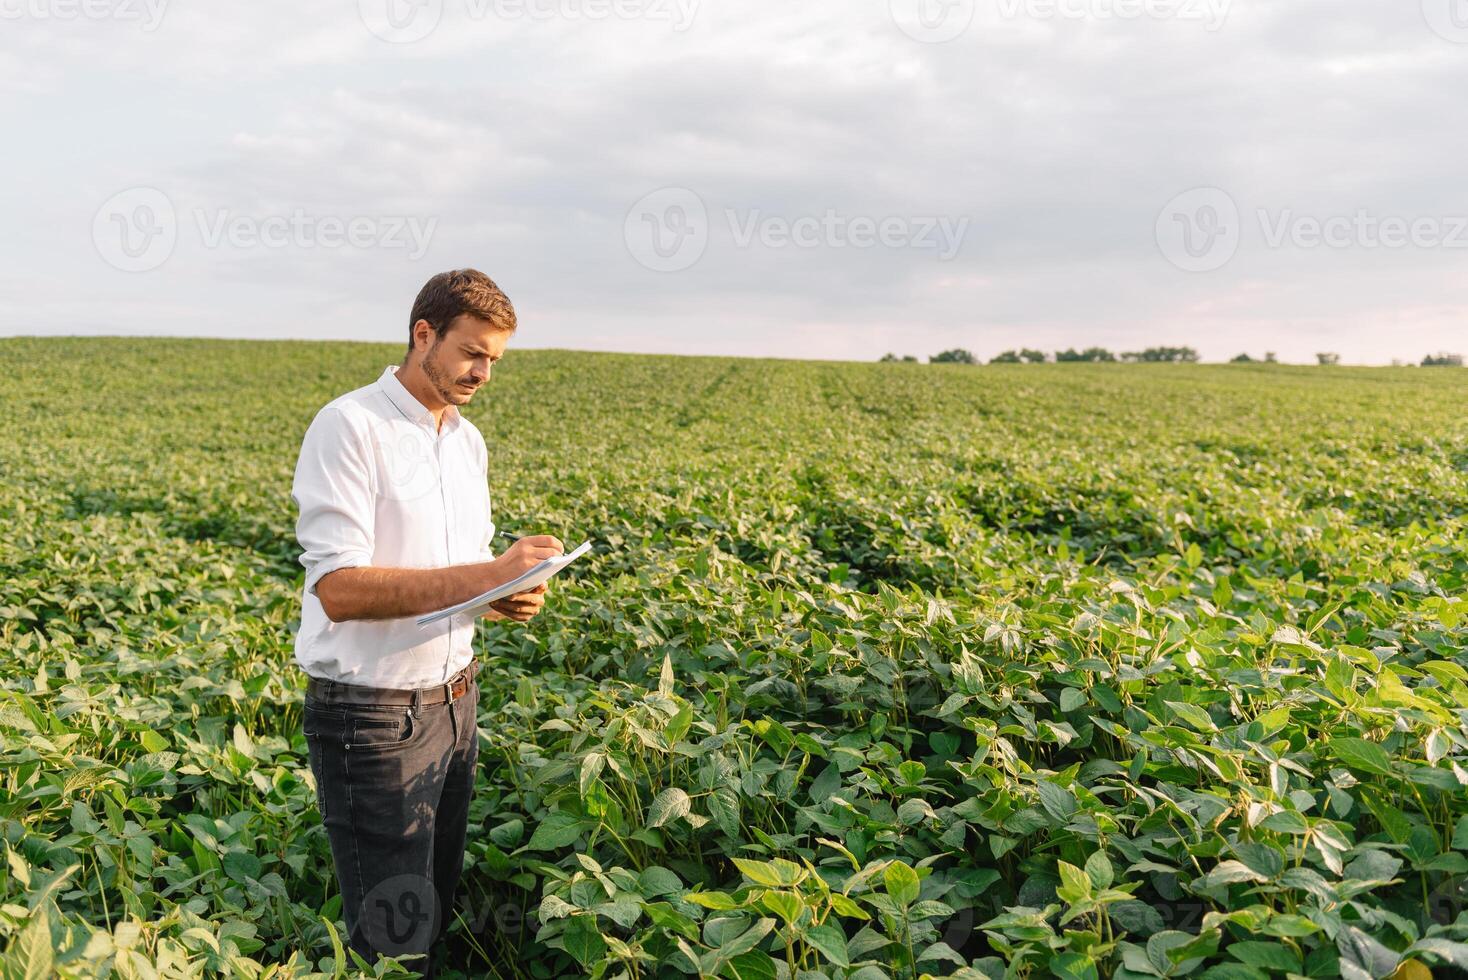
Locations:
(379, 484)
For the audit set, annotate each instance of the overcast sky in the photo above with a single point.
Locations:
(807, 178)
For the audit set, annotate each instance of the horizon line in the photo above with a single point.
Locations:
(742, 357)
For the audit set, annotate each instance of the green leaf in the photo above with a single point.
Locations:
(745, 941)
(846, 908)
(1057, 801)
(30, 954)
(583, 939)
(241, 865)
(719, 901)
(1229, 873)
(1460, 834)
(830, 940)
(1396, 823)
(787, 905)
(592, 764)
(554, 907)
(509, 833)
(1223, 592)
(1267, 859)
(556, 831)
(1365, 952)
(665, 916)
(1450, 952)
(679, 724)
(1232, 971)
(911, 772)
(1073, 966)
(753, 965)
(1285, 822)
(723, 804)
(1099, 870)
(1193, 715)
(151, 740)
(902, 883)
(657, 880)
(338, 953)
(242, 741)
(778, 873)
(1137, 917)
(1361, 754)
(669, 805)
(1268, 956)
(1290, 926)
(1075, 885)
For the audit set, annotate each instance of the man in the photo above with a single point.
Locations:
(395, 522)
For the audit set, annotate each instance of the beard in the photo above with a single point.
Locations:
(447, 388)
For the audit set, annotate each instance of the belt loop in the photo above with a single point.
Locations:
(417, 704)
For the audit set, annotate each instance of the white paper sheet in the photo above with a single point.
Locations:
(540, 573)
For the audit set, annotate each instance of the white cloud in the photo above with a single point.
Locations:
(525, 139)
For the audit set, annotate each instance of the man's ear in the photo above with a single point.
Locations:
(422, 335)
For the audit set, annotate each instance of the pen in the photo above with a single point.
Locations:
(507, 535)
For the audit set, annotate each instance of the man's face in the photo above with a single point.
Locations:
(459, 362)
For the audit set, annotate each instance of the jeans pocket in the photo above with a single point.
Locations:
(381, 730)
(317, 751)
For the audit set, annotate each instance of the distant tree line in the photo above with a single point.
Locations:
(1028, 355)
(1089, 354)
(1152, 355)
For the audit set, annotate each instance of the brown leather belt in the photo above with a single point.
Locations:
(325, 691)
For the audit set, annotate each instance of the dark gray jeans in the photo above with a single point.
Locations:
(394, 794)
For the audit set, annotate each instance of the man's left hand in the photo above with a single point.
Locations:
(521, 607)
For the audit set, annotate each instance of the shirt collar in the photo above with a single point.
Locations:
(407, 403)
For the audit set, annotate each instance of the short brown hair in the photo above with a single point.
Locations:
(449, 295)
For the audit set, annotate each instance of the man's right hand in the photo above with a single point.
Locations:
(525, 554)
(394, 593)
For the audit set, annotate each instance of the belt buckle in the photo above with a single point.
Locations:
(455, 687)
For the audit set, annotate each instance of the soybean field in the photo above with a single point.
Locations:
(875, 670)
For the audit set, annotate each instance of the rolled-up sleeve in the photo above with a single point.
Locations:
(333, 491)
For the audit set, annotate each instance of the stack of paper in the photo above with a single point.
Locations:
(524, 583)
